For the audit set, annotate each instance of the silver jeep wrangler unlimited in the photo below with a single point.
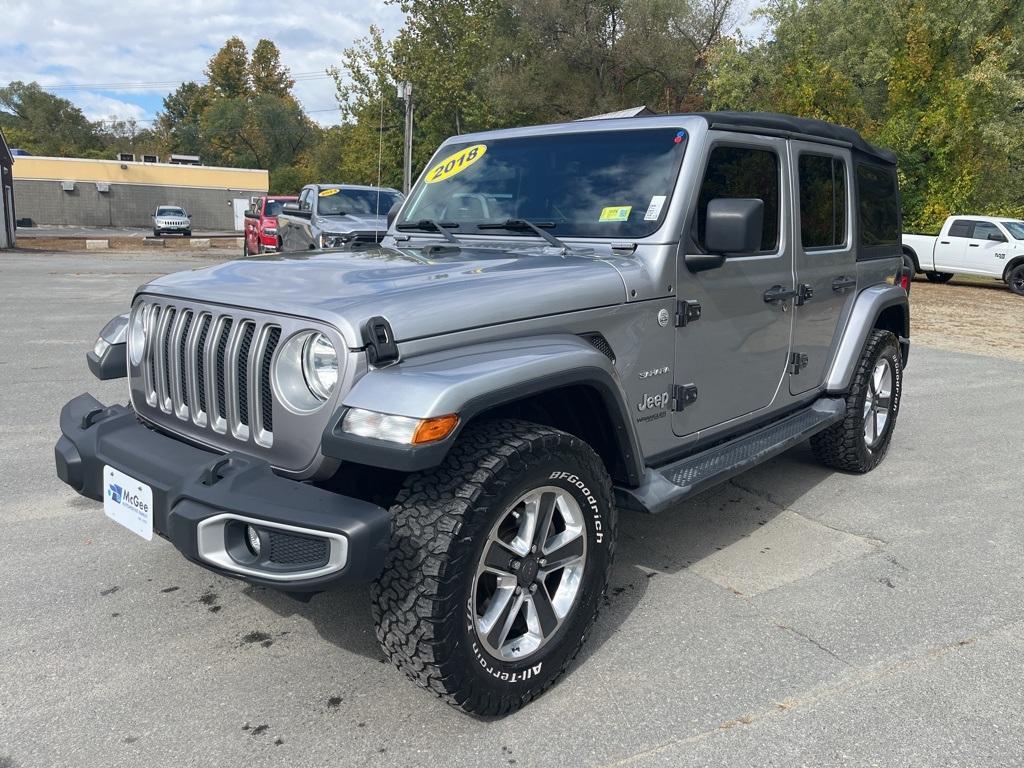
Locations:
(563, 320)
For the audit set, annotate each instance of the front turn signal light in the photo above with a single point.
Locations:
(434, 429)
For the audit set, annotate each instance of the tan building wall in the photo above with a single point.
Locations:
(108, 193)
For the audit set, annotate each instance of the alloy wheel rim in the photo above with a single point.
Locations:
(530, 573)
(878, 402)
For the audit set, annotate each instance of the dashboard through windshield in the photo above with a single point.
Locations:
(602, 184)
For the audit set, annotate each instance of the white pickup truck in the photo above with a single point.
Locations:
(972, 245)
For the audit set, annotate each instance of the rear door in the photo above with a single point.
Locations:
(950, 248)
(986, 249)
(825, 260)
(735, 354)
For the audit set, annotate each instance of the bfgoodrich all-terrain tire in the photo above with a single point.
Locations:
(859, 442)
(499, 560)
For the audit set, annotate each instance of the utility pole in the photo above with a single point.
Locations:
(405, 92)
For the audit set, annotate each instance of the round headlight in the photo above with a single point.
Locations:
(137, 335)
(320, 365)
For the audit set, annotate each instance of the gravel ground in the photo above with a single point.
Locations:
(794, 616)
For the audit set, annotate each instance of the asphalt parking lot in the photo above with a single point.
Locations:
(795, 616)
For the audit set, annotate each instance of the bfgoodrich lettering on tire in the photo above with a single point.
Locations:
(498, 562)
(859, 442)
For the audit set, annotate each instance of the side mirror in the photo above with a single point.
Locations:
(996, 236)
(733, 227)
(250, 214)
(295, 209)
(189, 215)
(393, 212)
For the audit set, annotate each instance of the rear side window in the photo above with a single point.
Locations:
(742, 172)
(878, 201)
(822, 201)
(961, 228)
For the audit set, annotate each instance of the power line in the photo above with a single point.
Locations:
(299, 77)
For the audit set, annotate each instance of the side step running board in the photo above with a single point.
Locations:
(663, 487)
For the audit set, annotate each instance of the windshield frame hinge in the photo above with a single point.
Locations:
(381, 347)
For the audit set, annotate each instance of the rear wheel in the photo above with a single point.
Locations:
(860, 441)
(1016, 280)
(909, 265)
(939, 277)
(499, 559)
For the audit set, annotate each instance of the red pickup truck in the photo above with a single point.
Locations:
(261, 224)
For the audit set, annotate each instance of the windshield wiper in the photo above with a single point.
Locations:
(429, 225)
(535, 227)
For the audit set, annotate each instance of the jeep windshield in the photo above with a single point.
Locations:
(606, 184)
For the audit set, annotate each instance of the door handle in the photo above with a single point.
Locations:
(778, 293)
(843, 282)
(944, 242)
(973, 245)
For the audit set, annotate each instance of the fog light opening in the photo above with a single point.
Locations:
(252, 540)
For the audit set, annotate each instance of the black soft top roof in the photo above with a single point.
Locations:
(797, 127)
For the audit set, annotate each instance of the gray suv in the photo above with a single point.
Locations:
(335, 215)
(562, 322)
(171, 219)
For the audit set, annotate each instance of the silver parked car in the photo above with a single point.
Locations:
(335, 215)
(171, 219)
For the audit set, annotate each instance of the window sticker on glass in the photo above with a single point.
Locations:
(329, 192)
(455, 163)
(616, 213)
(654, 209)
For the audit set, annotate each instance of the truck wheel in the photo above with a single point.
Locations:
(498, 563)
(909, 265)
(939, 277)
(1016, 280)
(859, 442)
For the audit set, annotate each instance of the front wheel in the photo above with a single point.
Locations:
(499, 559)
(939, 277)
(859, 442)
(1016, 280)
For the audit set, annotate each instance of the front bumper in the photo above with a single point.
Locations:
(195, 491)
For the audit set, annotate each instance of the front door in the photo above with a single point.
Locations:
(735, 354)
(826, 269)
(986, 250)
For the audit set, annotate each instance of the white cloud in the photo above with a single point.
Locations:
(165, 42)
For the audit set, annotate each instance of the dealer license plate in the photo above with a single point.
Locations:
(128, 502)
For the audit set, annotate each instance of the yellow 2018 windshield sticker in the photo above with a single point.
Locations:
(455, 163)
(616, 213)
(329, 192)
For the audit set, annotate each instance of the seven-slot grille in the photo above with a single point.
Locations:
(212, 369)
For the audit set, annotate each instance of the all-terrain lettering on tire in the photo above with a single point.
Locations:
(499, 559)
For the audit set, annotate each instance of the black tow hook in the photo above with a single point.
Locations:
(90, 418)
(214, 473)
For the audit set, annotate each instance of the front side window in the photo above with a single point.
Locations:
(822, 201)
(983, 229)
(878, 200)
(612, 184)
(273, 207)
(747, 173)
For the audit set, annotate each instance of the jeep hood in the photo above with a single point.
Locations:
(421, 291)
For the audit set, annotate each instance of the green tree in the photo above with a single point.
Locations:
(44, 124)
(266, 73)
(180, 123)
(228, 70)
(937, 81)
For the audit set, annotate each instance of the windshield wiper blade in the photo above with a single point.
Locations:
(430, 225)
(535, 227)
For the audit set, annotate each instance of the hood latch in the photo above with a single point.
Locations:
(381, 348)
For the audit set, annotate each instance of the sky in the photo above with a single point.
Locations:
(118, 60)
